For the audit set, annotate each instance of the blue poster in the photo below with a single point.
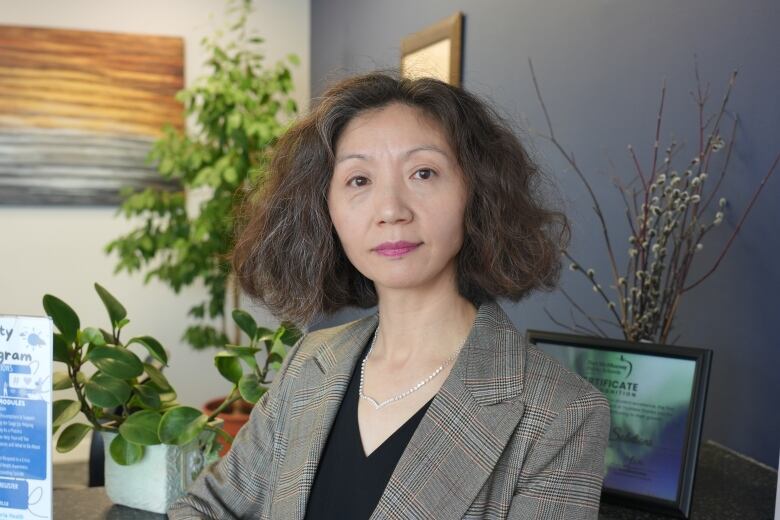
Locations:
(25, 418)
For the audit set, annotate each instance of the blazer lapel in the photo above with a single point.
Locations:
(465, 429)
(320, 388)
(458, 441)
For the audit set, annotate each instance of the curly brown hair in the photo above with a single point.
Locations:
(288, 255)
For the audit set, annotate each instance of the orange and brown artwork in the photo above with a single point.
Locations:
(79, 111)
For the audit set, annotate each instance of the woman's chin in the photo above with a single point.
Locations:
(403, 281)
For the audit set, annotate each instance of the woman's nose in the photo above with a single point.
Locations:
(392, 204)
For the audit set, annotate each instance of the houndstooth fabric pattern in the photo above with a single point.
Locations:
(511, 434)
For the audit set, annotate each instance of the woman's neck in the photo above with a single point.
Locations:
(421, 329)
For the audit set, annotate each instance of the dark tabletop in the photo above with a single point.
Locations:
(728, 486)
(92, 504)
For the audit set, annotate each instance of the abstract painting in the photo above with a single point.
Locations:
(79, 111)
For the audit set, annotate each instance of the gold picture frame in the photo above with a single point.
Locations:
(435, 51)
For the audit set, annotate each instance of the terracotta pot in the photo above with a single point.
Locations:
(234, 419)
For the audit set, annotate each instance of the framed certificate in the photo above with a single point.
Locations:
(657, 395)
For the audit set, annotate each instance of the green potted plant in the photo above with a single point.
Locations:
(239, 365)
(238, 110)
(154, 446)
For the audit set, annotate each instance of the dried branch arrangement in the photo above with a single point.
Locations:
(668, 220)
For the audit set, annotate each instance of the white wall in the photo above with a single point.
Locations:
(60, 250)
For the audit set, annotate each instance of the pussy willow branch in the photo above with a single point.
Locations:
(671, 151)
(582, 328)
(571, 161)
(624, 309)
(643, 252)
(673, 269)
(678, 266)
(582, 311)
(723, 170)
(657, 232)
(596, 287)
(679, 271)
(661, 223)
(737, 228)
(559, 323)
(575, 329)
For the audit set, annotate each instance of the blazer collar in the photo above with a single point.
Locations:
(489, 355)
(456, 445)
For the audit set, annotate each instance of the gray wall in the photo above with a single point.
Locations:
(601, 65)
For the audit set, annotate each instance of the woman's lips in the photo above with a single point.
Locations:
(396, 249)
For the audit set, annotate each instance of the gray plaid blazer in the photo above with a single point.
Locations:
(510, 434)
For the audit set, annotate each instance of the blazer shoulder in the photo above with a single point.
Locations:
(313, 340)
(544, 374)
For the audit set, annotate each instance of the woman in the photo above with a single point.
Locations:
(416, 197)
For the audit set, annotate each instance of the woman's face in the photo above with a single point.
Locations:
(396, 179)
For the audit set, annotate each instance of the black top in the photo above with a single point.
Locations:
(348, 484)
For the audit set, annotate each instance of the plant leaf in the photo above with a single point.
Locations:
(291, 334)
(153, 346)
(278, 351)
(264, 334)
(60, 349)
(141, 428)
(64, 410)
(60, 381)
(246, 354)
(279, 348)
(107, 391)
(238, 349)
(181, 425)
(157, 377)
(116, 361)
(116, 311)
(167, 397)
(148, 396)
(245, 322)
(65, 319)
(107, 336)
(125, 453)
(229, 366)
(92, 336)
(71, 436)
(250, 389)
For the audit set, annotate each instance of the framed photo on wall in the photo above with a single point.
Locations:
(435, 51)
(657, 395)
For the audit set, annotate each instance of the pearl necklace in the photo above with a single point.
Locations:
(416, 387)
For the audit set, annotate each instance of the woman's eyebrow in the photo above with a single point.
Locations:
(426, 147)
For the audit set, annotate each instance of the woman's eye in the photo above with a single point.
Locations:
(427, 173)
(361, 181)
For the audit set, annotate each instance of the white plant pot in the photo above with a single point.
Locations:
(159, 478)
